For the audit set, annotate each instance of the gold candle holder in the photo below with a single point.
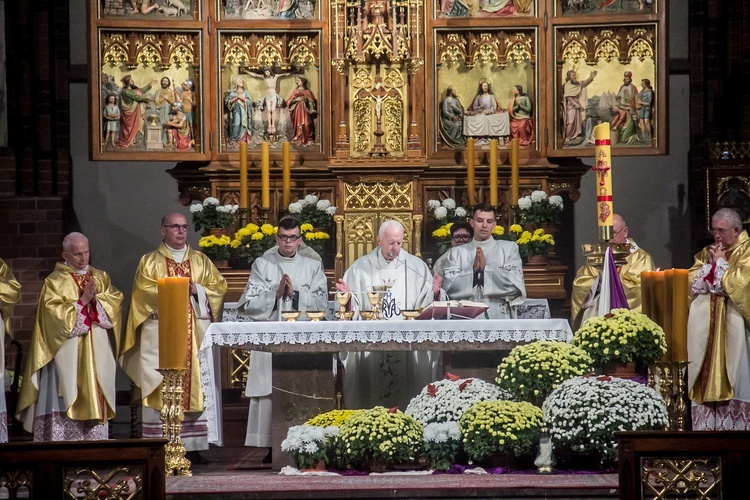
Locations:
(315, 315)
(410, 314)
(172, 414)
(263, 214)
(669, 380)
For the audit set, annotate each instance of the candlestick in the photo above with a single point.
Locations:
(172, 415)
(493, 172)
(243, 175)
(471, 195)
(680, 315)
(265, 182)
(514, 171)
(174, 297)
(602, 167)
(286, 176)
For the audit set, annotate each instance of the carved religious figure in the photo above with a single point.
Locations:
(379, 94)
(271, 103)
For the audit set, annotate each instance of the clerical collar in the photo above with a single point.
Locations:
(177, 255)
(284, 257)
(77, 271)
(485, 243)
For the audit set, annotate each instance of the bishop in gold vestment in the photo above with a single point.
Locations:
(718, 334)
(68, 390)
(139, 353)
(10, 292)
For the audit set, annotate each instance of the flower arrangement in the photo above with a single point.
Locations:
(621, 336)
(307, 444)
(504, 428)
(378, 435)
(442, 444)
(536, 243)
(531, 371)
(512, 234)
(537, 209)
(314, 211)
(210, 214)
(447, 400)
(446, 211)
(312, 238)
(251, 241)
(583, 414)
(216, 248)
(442, 236)
(331, 418)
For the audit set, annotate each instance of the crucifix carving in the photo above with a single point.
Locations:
(379, 94)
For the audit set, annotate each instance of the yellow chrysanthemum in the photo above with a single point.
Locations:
(516, 228)
(267, 229)
(257, 236)
(306, 227)
(498, 231)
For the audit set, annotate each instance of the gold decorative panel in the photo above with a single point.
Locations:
(378, 112)
(378, 194)
(361, 231)
(681, 478)
(117, 482)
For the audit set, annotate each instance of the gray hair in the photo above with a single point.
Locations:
(72, 238)
(389, 225)
(730, 216)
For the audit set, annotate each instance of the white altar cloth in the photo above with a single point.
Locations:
(336, 336)
(492, 125)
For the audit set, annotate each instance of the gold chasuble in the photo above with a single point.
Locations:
(87, 392)
(717, 328)
(10, 292)
(139, 352)
(630, 276)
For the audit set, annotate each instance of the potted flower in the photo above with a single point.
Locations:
(210, 215)
(307, 445)
(331, 418)
(250, 242)
(538, 210)
(216, 248)
(504, 430)
(536, 244)
(447, 400)
(442, 444)
(531, 371)
(512, 234)
(314, 238)
(378, 438)
(442, 237)
(314, 211)
(446, 211)
(583, 414)
(622, 336)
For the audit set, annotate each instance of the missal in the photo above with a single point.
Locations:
(453, 309)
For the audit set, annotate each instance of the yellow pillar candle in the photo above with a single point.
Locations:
(286, 176)
(680, 315)
(174, 297)
(668, 303)
(265, 180)
(471, 195)
(658, 307)
(602, 167)
(514, 171)
(646, 278)
(243, 175)
(493, 172)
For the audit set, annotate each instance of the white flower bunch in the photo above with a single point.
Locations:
(310, 199)
(331, 211)
(322, 204)
(556, 200)
(227, 209)
(195, 208)
(447, 400)
(583, 413)
(440, 213)
(440, 432)
(304, 439)
(433, 204)
(210, 201)
(460, 212)
(449, 203)
(524, 203)
(538, 195)
(295, 207)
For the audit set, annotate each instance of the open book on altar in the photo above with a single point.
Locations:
(453, 309)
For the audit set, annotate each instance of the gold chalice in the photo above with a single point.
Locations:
(343, 299)
(367, 315)
(315, 315)
(410, 314)
(375, 297)
(290, 315)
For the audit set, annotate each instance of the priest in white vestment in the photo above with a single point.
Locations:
(68, 390)
(486, 270)
(281, 281)
(378, 377)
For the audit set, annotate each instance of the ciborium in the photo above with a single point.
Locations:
(343, 300)
(410, 314)
(290, 315)
(315, 315)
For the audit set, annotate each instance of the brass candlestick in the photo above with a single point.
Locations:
(172, 415)
(681, 402)
(263, 214)
(670, 376)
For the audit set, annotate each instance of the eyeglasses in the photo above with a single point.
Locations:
(461, 237)
(177, 227)
(720, 230)
(289, 238)
(621, 230)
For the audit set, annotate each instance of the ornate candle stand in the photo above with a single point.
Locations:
(172, 415)
(263, 215)
(670, 377)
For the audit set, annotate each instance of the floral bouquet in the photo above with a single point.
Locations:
(623, 336)
(583, 414)
(442, 236)
(447, 400)
(442, 444)
(210, 214)
(512, 234)
(501, 428)
(251, 241)
(313, 211)
(314, 239)
(537, 209)
(531, 371)
(536, 243)
(446, 211)
(216, 248)
(378, 435)
(307, 444)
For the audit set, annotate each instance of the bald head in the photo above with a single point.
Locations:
(76, 251)
(620, 229)
(390, 239)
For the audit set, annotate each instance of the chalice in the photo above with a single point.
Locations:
(290, 315)
(315, 315)
(343, 299)
(410, 314)
(367, 315)
(375, 297)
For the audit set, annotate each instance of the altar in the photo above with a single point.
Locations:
(308, 380)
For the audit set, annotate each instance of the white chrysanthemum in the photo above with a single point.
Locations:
(451, 399)
(460, 212)
(195, 208)
(235, 208)
(433, 204)
(441, 213)
(295, 207)
(311, 199)
(331, 210)
(210, 201)
(556, 200)
(449, 203)
(524, 203)
(322, 204)
(224, 209)
(538, 196)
